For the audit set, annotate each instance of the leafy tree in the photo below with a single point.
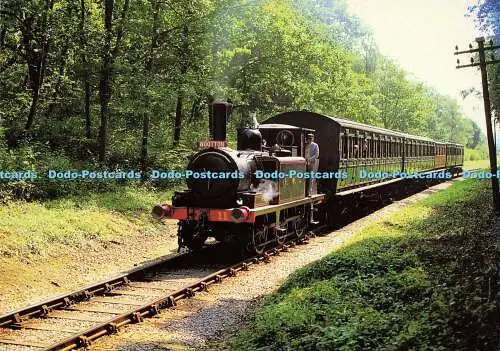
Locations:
(487, 13)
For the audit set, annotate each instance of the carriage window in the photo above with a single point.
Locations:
(361, 147)
(350, 147)
(355, 146)
(343, 145)
(365, 147)
(350, 143)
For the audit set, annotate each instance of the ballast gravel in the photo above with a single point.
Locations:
(224, 309)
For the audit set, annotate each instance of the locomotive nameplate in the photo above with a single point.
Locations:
(212, 143)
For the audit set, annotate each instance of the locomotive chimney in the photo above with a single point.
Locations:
(220, 114)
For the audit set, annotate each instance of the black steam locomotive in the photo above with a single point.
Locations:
(262, 193)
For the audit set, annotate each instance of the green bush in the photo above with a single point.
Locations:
(39, 159)
(477, 154)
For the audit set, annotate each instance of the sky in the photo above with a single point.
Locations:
(420, 35)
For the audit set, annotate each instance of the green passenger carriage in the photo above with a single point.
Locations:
(360, 150)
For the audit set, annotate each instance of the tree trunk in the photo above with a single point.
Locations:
(146, 118)
(108, 58)
(180, 93)
(3, 32)
(34, 104)
(178, 118)
(210, 101)
(144, 145)
(56, 93)
(36, 59)
(105, 78)
(86, 74)
(88, 121)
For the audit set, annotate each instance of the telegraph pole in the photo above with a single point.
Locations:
(481, 49)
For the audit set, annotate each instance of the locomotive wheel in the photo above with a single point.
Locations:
(190, 236)
(280, 237)
(258, 240)
(299, 227)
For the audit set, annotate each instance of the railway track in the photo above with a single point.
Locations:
(75, 320)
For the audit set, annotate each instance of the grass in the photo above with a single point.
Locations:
(29, 228)
(424, 278)
(477, 164)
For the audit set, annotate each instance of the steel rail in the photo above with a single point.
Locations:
(42, 308)
(150, 309)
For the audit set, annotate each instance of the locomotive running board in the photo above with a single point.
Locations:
(313, 199)
(368, 187)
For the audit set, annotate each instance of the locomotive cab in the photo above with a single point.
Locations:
(289, 139)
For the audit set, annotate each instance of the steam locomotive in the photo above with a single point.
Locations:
(226, 199)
